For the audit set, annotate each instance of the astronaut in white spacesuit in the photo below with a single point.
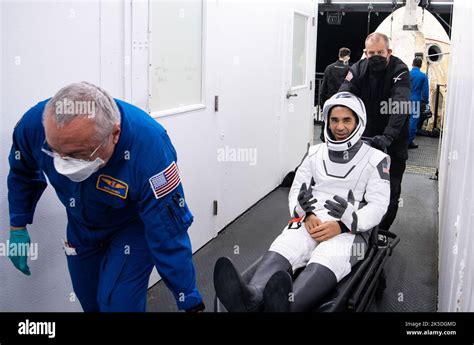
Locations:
(340, 192)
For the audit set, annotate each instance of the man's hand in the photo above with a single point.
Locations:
(305, 198)
(311, 222)
(344, 210)
(20, 239)
(382, 142)
(326, 231)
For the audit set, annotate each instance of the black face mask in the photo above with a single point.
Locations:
(377, 63)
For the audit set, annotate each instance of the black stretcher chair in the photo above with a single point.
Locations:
(366, 281)
(356, 291)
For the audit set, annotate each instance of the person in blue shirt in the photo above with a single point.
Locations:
(115, 170)
(420, 94)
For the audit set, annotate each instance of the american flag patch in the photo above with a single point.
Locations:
(165, 181)
(384, 169)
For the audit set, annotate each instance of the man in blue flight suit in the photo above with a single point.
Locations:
(114, 169)
(420, 93)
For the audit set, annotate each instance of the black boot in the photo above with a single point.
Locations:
(234, 293)
(276, 296)
(312, 285)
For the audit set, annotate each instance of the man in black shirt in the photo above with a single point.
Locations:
(334, 75)
(382, 81)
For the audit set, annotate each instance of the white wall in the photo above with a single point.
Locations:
(456, 186)
(45, 46)
(63, 42)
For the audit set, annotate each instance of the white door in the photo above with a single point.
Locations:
(248, 130)
(262, 135)
(298, 90)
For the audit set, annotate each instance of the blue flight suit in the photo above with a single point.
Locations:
(122, 220)
(419, 92)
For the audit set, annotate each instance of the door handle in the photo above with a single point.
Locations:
(289, 94)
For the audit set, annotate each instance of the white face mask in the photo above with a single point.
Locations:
(77, 170)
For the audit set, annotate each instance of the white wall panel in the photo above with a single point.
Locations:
(46, 45)
(456, 188)
(112, 48)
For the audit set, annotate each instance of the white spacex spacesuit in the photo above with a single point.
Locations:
(351, 170)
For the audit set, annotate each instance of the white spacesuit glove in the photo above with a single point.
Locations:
(344, 210)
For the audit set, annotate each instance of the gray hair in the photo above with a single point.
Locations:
(84, 99)
(377, 36)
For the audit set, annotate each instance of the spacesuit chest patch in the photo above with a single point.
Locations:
(112, 186)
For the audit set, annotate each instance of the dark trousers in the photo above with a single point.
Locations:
(397, 168)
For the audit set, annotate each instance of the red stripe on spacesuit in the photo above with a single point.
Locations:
(294, 220)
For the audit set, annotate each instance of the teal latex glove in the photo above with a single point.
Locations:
(18, 238)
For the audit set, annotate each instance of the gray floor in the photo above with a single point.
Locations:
(412, 271)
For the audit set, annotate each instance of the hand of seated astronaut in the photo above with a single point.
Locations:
(325, 231)
(311, 222)
(344, 210)
(305, 198)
